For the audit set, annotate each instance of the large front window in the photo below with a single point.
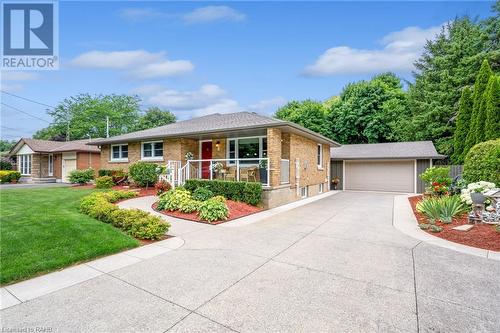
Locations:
(152, 150)
(24, 164)
(247, 148)
(119, 153)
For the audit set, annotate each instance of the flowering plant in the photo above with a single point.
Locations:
(217, 166)
(479, 187)
(439, 188)
(189, 156)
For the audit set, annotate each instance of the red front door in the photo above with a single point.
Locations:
(206, 154)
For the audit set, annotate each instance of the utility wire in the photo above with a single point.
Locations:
(27, 99)
(26, 113)
(18, 130)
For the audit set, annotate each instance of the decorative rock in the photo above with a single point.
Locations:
(465, 227)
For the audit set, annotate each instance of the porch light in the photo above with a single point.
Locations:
(217, 145)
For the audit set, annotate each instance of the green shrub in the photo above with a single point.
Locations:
(451, 207)
(5, 163)
(250, 193)
(438, 180)
(149, 227)
(424, 226)
(213, 210)
(189, 206)
(202, 194)
(441, 208)
(219, 198)
(81, 176)
(431, 208)
(143, 173)
(102, 210)
(104, 182)
(174, 200)
(135, 222)
(483, 162)
(7, 176)
(105, 172)
(124, 218)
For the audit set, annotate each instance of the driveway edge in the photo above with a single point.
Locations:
(404, 220)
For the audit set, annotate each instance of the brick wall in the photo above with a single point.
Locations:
(274, 155)
(306, 149)
(58, 165)
(85, 160)
(35, 165)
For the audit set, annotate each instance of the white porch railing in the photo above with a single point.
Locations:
(285, 171)
(236, 169)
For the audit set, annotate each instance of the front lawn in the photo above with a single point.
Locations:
(42, 231)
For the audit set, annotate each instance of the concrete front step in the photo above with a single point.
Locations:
(43, 180)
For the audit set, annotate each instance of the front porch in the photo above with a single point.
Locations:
(260, 158)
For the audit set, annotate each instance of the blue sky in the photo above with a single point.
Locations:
(197, 58)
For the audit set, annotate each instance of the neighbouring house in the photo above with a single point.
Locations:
(391, 167)
(290, 161)
(43, 161)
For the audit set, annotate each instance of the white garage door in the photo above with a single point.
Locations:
(391, 176)
(67, 167)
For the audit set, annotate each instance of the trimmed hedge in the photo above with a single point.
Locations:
(134, 222)
(7, 176)
(81, 176)
(250, 193)
(104, 182)
(483, 162)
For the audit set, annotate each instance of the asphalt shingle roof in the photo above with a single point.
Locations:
(394, 150)
(207, 124)
(46, 146)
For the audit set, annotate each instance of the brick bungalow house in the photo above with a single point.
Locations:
(43, 161)
(290, 161)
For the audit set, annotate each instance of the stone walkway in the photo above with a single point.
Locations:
(336, 264)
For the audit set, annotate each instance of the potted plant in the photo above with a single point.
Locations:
(335, 182)
(263, 171)
(189, 156)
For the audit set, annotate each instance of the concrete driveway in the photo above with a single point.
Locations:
(336, 264)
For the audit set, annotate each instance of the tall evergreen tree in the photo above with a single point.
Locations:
(448, 64)
(477, 119)
(462, 125)
(492, 96)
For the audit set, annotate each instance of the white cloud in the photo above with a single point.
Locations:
(208, 99)
(19, 76)
(213, 13)
(141, 14)
(267, 106)
(16, 77)
(137, 63)
(400, 50)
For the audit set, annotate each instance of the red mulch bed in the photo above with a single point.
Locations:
(236, 210)
(482, 236)
(142, 192)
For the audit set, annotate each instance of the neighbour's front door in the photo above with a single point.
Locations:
(206, 154)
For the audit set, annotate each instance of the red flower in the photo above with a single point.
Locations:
(435, 183)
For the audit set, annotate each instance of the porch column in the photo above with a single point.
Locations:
(274, 155)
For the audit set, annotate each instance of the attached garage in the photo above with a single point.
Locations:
(386, 167)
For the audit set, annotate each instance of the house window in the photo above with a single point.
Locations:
(321, 188)
(25, 164)
(152, 150)
(247, 148)
(119, 153)
(303, 192)
(319, 156)
(51, 165)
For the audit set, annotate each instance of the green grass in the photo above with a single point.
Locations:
(41, 230)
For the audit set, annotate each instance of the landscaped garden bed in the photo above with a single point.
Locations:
(449, 204)
(211, 202)
(236, 210)
(483, 236)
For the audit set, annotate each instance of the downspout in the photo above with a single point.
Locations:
(297, 176)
